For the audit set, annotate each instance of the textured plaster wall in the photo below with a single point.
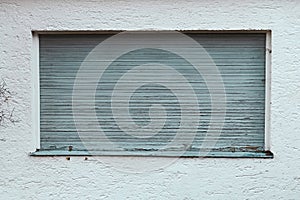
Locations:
(25, 177)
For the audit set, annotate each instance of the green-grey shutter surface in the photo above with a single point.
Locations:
(240, 58)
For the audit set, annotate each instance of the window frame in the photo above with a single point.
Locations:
(36, 90)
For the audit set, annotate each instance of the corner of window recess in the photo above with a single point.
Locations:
(33, 153)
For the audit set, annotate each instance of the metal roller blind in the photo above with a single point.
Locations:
(146, 117)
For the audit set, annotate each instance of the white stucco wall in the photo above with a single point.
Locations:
(25, 177)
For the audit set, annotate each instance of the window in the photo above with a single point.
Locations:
(153, 94)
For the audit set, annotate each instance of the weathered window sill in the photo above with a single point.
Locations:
(188, 154)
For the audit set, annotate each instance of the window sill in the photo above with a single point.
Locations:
(188, 154)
